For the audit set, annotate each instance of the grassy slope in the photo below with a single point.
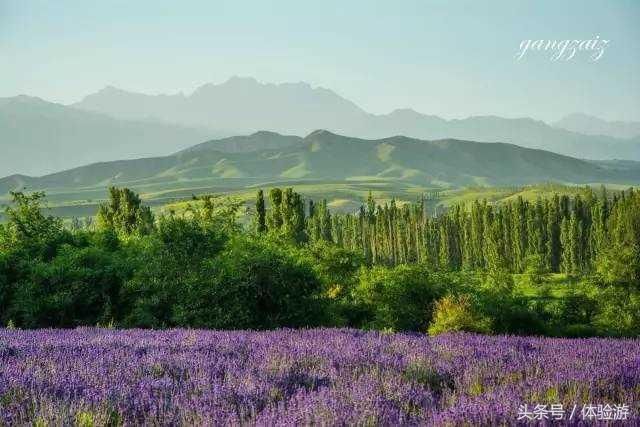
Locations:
(344, 196)
(326, 166)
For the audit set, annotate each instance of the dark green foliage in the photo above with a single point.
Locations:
(261, 213)
(399, 298)
(169, 263)
(287, 214)
(6, 288)
(384, 267)
(124, 213)
(275, 214)
(547, 236)
(508, 313)
(28, 229)
(79, 286)
(618, 312)
(270, 286)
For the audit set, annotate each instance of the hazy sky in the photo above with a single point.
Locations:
(450, 58)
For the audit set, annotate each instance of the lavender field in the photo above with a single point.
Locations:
(322, 376)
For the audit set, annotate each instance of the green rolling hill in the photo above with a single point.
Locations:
(323, 155)
(324, 164)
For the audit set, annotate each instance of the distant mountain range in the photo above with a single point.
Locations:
(244, 105)
(39, 137)
(323, 155)
(590, 125)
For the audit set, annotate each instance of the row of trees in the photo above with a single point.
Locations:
(302, 266)
(133, 270)
(557, 234)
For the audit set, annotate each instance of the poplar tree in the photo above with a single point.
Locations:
(261, 213)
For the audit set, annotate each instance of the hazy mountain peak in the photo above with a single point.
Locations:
(257, 141)
(405, 112)
(267, 133)
(320, 133)
(242, 105)
(301, 85)
(591, 125)
(24, 99)
(232, 82)
(42, 137)
(110, 90)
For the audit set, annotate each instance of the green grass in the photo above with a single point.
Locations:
(341, 195)
(555, 286)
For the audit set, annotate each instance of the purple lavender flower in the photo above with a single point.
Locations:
(292, 377)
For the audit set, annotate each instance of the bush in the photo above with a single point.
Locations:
(268, 286)
(5, 288)
(337, 268)
(618, 312)
(456, 314)
(535, 269)
(509, 313)
(579, 331)
(619, 265)
(79, 286)
(399, 298)
(170, 263)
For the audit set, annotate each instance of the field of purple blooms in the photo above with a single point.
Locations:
(319, 376)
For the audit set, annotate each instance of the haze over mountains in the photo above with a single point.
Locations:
(590, 125)
(325, 156)
(244, 105)
(41, 137)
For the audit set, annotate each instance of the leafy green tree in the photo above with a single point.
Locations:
(79, 286)
(508, 313)
(337, 268)
(275, 213)
(261, 213)
(399, 298)
(6, 289)
(265, 285)
(170, 262)
(535, 269)
(553, 246)
(27, 226)
(618, 311)
(125, 213)
(619, 264)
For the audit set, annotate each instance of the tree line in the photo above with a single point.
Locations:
(557, 234)
(389, 267)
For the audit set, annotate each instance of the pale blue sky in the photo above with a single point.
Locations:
(450, 58)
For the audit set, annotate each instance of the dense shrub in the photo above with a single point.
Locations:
(455, 314)
(337, 268)
(618, 312)
(509, 313)
(5, 288)
(270, 285)
(201, 269)
(78, 286)
(399, 298)
(172, 262)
